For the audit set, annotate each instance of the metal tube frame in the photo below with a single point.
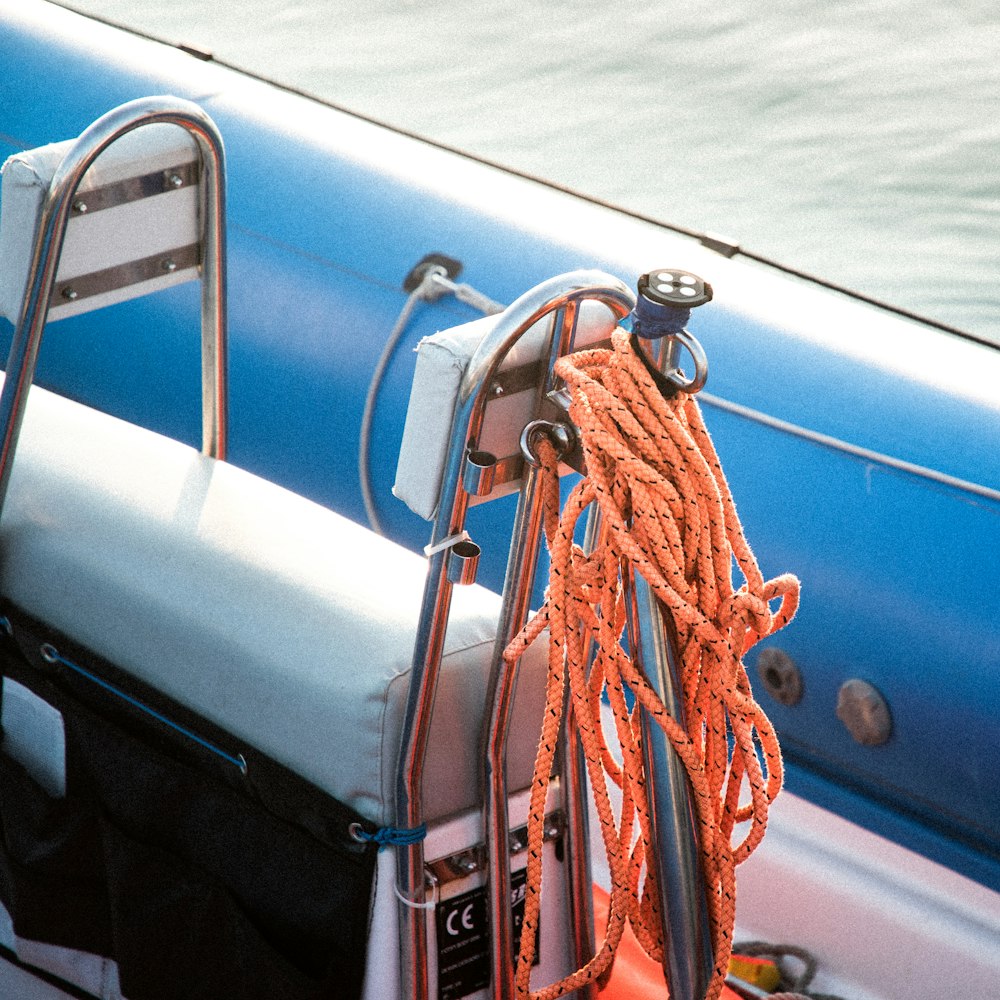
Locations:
(48, 249)
(688, 959)
(560, 296)
(574, 767)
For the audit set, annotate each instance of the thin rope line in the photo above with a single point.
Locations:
(434, 284)
(52, 655)
(837, 444)
(364, 441)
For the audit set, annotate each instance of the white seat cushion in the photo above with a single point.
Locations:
(276, 618)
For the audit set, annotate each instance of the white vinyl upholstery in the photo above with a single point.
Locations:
(103, 239)
(441, 362)
(276, 618)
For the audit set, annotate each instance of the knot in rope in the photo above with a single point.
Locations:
(668, 514)
(389, 836)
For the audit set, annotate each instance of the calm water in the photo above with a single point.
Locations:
(860, 140)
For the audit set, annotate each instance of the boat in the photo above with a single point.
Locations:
(207, 656)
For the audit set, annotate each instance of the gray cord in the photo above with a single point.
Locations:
(867, 454)
(433, 285)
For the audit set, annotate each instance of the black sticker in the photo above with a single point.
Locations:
(463, 935)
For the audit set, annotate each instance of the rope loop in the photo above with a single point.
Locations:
(389, 836)
(668, 514)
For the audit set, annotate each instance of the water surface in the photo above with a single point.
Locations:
(859, 141)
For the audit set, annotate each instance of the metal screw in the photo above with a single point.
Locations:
(175, 180)
(169, 265)
(865, 712)
(80, 207)
(497, 389)
(70, 294)
(466, 863)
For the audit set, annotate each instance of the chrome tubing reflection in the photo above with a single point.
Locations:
(559, 298)
(687, 938)
(48, 249)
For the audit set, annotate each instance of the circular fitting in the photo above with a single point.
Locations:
(669, 286)
(780, 676)
(697, 381)
(560, 434)
(462, 562)
(865, 712)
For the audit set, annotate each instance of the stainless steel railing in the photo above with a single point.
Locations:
(688, 961)
(559, 299)
(48, 246)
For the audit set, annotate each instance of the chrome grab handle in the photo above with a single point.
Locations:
(559, 298)
(48, 249)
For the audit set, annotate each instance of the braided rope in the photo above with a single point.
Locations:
(667, 511)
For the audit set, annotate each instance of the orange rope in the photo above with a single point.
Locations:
(667, 514)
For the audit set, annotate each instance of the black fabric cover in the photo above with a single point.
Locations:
(202, 882)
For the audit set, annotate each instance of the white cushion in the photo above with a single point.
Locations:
(103, 239)
(276, 618)
(441, 363)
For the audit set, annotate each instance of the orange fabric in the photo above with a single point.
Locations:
(634, 976)
(667, 515)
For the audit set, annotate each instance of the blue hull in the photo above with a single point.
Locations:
(865, 458)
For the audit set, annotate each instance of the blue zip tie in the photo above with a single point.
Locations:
(390, 836)
(51, 655)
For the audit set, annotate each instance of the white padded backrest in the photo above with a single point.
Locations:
(132, 241)
(441, 362)
(276, 618)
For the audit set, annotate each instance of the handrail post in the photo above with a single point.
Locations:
(48, 246)
(663, 305)
(687, 939)
(553, 296)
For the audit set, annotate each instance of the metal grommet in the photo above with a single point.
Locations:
(561, 435)
(49, 653)
(6, 627)
(241, 763)
(780, 676)
(356, 832)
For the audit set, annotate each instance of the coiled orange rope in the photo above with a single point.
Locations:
(667, 514)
